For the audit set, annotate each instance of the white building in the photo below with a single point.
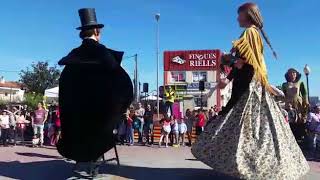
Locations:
(10, 91)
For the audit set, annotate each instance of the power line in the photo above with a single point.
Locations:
(1, 70)
(15, 71)
(128, 57)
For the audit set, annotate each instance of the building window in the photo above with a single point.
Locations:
(199, 76)
(178, 76)
(197, 101)
(6, 94)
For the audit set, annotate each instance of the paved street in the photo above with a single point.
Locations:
(137, 162)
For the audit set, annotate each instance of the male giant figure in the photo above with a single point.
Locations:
(94, 92)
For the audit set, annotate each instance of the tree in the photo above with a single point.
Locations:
(32, 99)
(40, 77)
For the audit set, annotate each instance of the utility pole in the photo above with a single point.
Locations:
(139, 90)
(157, 16)
(135, 78)
(136, 81)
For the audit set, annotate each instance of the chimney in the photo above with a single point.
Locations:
(2, 81)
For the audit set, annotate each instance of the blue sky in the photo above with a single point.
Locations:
(45, 30)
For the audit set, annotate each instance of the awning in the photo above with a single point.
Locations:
(53, 92)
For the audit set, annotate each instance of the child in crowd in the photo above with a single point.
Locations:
(175, 131)
(182, 131)
(166, 129)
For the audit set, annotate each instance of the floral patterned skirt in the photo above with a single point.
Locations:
(252, 141)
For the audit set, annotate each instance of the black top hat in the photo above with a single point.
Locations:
(88, 19)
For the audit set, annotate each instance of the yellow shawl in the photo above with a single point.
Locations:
(250, 49)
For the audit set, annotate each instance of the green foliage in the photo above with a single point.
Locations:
(32, 99)
(2, 104)
(40, 77)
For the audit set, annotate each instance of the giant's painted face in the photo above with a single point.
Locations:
(292, 76)
(243, 19)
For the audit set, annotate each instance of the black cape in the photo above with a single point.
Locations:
(94, 91)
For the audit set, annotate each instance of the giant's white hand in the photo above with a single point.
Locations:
(223, 83)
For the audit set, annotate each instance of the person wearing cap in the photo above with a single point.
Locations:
(94, 91)
(296, 95)
(170, 98)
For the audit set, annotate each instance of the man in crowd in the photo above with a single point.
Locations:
(38, 120)
(314, 127)
(140, 111)
(89, 113)
(170, 98)
(148, 124)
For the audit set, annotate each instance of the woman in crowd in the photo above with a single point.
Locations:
(130, 130)
(201, 119)
(57, 126)
(250, 138)
(5, 128)
(21, 124)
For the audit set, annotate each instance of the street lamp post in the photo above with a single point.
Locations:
(136, 78)
(136, 82)
(307, 71)
(157, 16)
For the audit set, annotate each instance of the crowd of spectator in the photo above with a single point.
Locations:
(27, 126)
(13, 122)
(174, 131)
(307, 137)
(20, 124)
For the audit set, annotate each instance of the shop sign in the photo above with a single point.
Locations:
(193, 60)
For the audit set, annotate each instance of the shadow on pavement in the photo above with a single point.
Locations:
(192, 159)
(48, 170)
(39, 155)
(132, 172)
(58, 169)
